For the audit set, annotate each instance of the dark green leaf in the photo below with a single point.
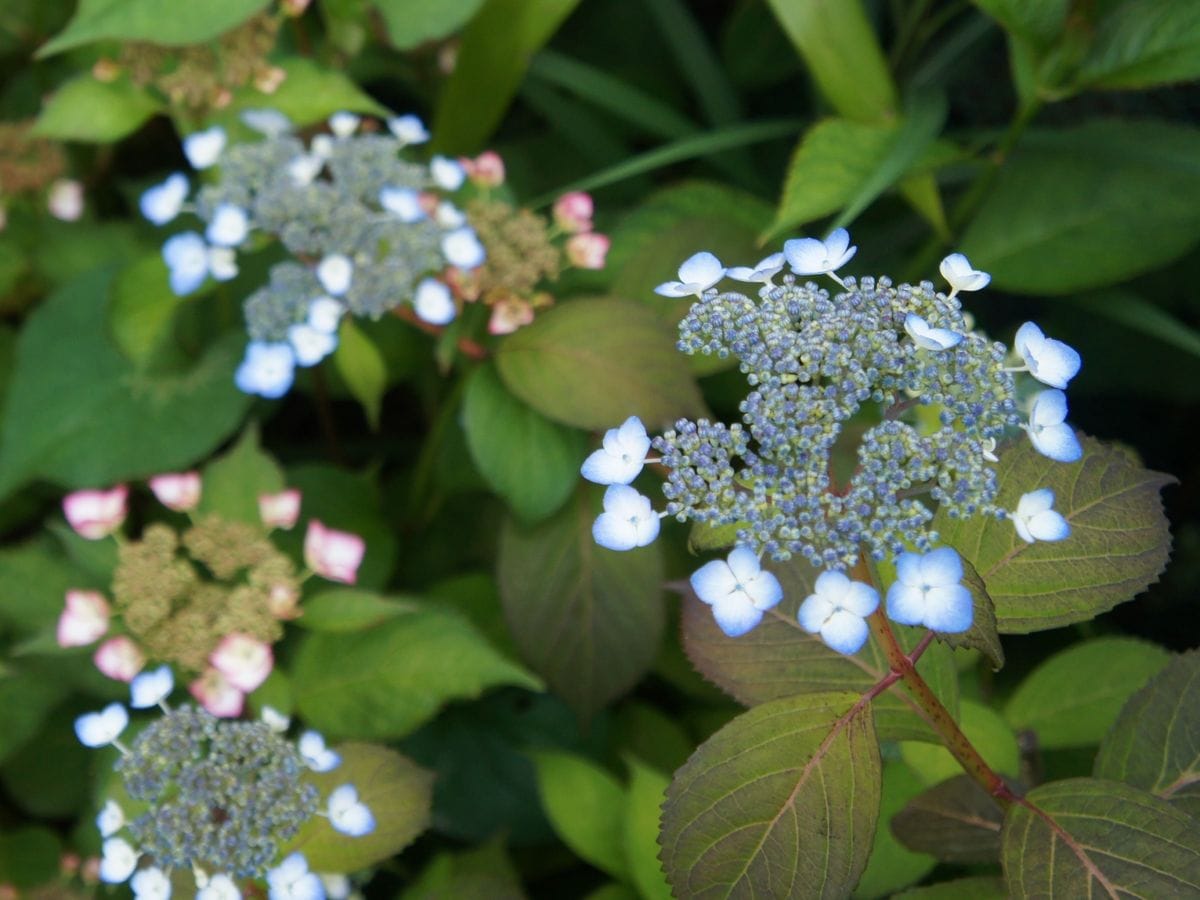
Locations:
(1039, 21)
(892, 866)
(980, 887)
(157, 21)
(29, 700)
(49, 776)
(1142, 44)
(586, 806)
(34, 579)
(348, 609)
(1092, 837)
(482, 874)
(362, 367)
(29, 856)
(143, 308)
(955, 821)
(233, 481)
(647, 790)
(587, 619)
(1155, 743)
(309, 93)
(528, 460)
(1102, 675)
(593, 363)
(1119, 540)
(780, 802)
(85, 109)
(409, 24)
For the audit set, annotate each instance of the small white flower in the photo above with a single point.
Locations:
(929, 338)
(698, 273)
(311, 345)
(268, 369)
(335, 273)
(628, 520)
(65, 201)
(446, 173)
(219, 887)
(228, 227)
(403, 203)
(928, 591)
(337, 886)
(151, 688)
(151, 884)
(344, 124)
(222, 263)
(957, 271)
(809, 256)
(304, 169)
(1036, 519)
(99, 729)
(738, 589)
(186, 256)
(408, 129)
(988, 449)
(269, 122)
(1049, 361)
(1048, 430)
(462, 248)
(316, 755)
(321, 146)
(179, 491)
(161, 203)
(111, 819)
(434, 303)
(325, 314)
(762, 271)
(291, 880)
(117, 860)
(837, 610)
(348, 814)
(447, 215)
(622, 455)
(275, 720)
(203, 148)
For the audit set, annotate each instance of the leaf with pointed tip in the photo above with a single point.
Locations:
(781, 802)
(586, 806)
(164, 22)
(233, 481)
(778, 659)
(1118, 545)
(956, 821)
(1144, 43)
(1084, 836)
(643, 810)
(1072, 698)
(587, 619)
(1155, 742)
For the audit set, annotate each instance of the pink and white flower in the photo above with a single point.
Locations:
(83, 620)
(179, 491)
(573, 212)
(332, 554)
(279, 510)
(119, 658)
(588, 250)
(485, 170)
(283, 602)
(245, 661)
(217, 695)
(96, 514)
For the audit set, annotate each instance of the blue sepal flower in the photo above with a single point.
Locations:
(186, 255)
(1047, 427)
(161, 203)
(348, 814)
(462, 248)
(762, 271)
(738, 589)
(1036, 519)
(292, 880)
(628, 520)
(929, 338)
(697, 274)
(928, 591)
(809, 256)
(622, 455)
(151, 688)
(268, 369)
(837, 611)
(1049, 361)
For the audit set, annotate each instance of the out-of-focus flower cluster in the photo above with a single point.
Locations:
(32, 169)
(210, 597)
(215, 801)
(935, 398)
(371, 229)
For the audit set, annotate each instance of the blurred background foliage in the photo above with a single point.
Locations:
(1053, 141)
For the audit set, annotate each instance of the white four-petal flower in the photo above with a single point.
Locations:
(408, 129)
(151, 688)
(433, 302)
(316, 755)
(100, 728)
(837, 610)
(628, 520)
(309, 344)
(928, 591)
(927, 337)
(699, 272)
(268, 369)
(1049, 361)
(957, 271)
(1048, 430)
(228, 227)
(762, 271)
(161, 203)
(203, 148)
(1036, 519)
(809, 256)
(403, 203)
(343, 124)
(447, 173)
(151, 883)
(111, 818)
(462, 248)
(622, 455)
(292, 880)
(219, 887)
(348, 814)
(335, 273)
(738, 589)
(118, 859)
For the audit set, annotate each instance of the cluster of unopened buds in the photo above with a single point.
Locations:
(216, 800)
(232, 664)
(813, 361)
(370, 232)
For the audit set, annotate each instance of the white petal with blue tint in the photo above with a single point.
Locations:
(628, 520)
(446, 173)
(315, 754)
(1048, 431)
(928, 591)
(269, 122)
(186, 256)
(957, 271)
(348, 814)
(462, 248)
(928, 337)
(699, 272)
(403, 203)
(151, 884)
(1049, 361)
(344, 124)
(809, 256)
(1035, 518)
(161, 203)
(310, 345)
(99, 729)
(228, 227)
(622, 455)
(433, 302)
(335, 273)
(763, 271)
(151, 688)
(408, 129)
(325, 314)
(738, 590)
(117, 860)
(268, 369)
(203, 148)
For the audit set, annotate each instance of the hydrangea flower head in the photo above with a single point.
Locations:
(928, 591)
(622, 455)
(1049, 361)
(837, 611)
(809, 256)
(957, 271)
(1036, 519)
(628, 520)
(738, 589)
(697, 274)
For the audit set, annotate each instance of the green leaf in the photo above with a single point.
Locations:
(778, 659)
(1132, 312)
(586, 619)
(1155, 742)
(233, 481)
(528, 460)
(34, 579)
(980, 887)
(647, 790)
(841, 51)
(384, 682)
(29, 857)
(982, 635)
(485, 873)
(955, 821)
(74, 392)
(495, 50)
(350, 609)
(363, 368)
(309, 93)
(1102, 675)
(1038, 21)
(1090, 837)
(85, 109)
(162, 22)
(984, 727)
(593, 363)
(781, 802)
(892, 865)
(409, 24)
(49, 776)
(1065, 193)
(586, 806)
(143, 308)
(1142, 44)
(29, 700)
(1118, 545)
(399, 794)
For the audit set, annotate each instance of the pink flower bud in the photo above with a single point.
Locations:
(243, 660)
(269, 79)
(485, 170)
(96, 514)
(332, 554)
(119, 658)
(283, 602)
(279, 510)
(589, 250)
(179, 492)
(213, 691)
(90, 870)
(84, 619)
(573, 212)
(509, 315)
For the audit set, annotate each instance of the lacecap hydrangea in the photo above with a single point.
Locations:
(944, 398)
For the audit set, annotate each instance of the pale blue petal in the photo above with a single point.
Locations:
(1055, 363)
(735, 616)
(713, 581)
(905, 604)
(744, 564)
(942, 566)
(832, 585)
(845, 632)
(1028, 341)
(614, 533)
(813, 612)
(603, 467)
(1058, 442)
(837, 242)
(673, 289)
(1049, 408)
(1049, 526)
(908, 568)
(806, 256)
(860, 599)
(647, 529)
(701, 269)
(948, 609)
(764, 590)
